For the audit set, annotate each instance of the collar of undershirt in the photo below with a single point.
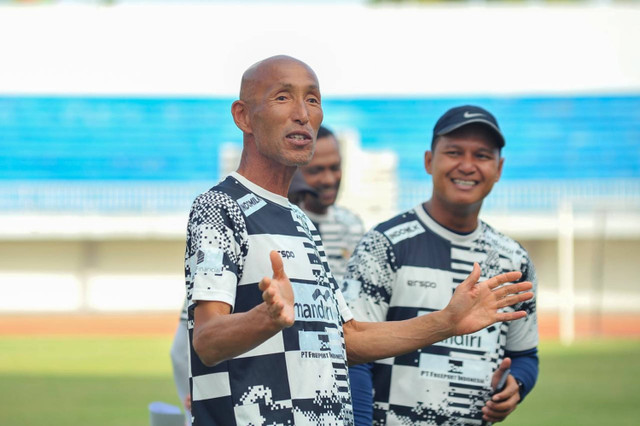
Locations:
(260, 191)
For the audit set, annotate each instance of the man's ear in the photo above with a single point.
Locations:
(428, 157)
(500, 168)
(240, 113)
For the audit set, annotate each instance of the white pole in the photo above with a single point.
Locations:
(565, 273)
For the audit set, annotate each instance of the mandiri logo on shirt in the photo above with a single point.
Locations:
(404, 231)
(314, 303)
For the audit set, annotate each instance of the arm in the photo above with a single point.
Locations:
(521, 353)
(180, 359)
(524, 368)
(472, 307)
(219, 335)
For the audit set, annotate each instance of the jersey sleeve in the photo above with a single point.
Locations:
(523, 333)
(371, 272)
(216, 248)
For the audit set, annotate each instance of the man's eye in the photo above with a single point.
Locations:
(281, 98)
(314, 100)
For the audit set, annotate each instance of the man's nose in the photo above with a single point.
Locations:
(300, 113)
(467, 164)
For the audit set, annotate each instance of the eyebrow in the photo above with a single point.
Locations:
(290, 86)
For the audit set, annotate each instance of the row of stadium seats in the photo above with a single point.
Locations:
(112, 153)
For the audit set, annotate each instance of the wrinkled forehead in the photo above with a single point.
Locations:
(272, 74)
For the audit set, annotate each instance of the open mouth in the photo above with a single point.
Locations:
(462, 183)
(299, 138)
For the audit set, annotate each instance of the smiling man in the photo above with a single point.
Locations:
(410, 265)
(270, 333)
(339, 228)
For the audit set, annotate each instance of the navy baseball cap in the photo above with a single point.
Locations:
(460, 116)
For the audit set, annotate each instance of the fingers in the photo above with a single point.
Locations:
(510, 316)
(277, 265)
(513, 300)
(502, 404)
(507, 277)
(504, 365)
(512, 289)
(275, 304)
(264, 283)
(473, 277)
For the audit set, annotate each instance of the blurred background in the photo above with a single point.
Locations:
(114, 115)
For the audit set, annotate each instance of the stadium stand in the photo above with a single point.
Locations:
(155, 154)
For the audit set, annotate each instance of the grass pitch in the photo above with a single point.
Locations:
(110, 381)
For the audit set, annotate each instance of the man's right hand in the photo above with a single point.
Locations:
(278, 293)
(475, 306)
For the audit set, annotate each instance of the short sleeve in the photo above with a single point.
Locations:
(216, 248)
(523, 333)
(371, 273)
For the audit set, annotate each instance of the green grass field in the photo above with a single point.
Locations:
(110, 381)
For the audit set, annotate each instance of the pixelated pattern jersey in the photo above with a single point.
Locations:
(341, 231)
(410, 266)
(299, 376)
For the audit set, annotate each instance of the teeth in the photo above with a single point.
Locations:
(298, 137)
(464, 182)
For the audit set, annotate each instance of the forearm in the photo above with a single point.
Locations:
(369, 341)
(524, 368)
(219, 336)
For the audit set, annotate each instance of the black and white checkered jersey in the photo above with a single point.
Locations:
(410, 266)
(299, 376)
(341, 231)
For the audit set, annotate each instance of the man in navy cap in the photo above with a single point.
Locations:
(410, 265)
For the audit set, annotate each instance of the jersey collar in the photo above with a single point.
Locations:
(260, 191)
(444, 232)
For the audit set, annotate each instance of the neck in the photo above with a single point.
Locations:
(463, 219)
(266, 173)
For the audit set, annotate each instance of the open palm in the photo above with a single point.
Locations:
(278, 293)
(475, 306)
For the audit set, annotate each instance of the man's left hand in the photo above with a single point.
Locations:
(505, 401)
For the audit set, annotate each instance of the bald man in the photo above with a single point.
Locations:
(270, 333)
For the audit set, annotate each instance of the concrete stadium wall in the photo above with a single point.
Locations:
(147, 275)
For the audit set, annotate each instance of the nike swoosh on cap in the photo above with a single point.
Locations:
(467, 114)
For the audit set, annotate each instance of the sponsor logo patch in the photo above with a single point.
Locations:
(350, 289)
(209, 259)
(250, 204)
(321, 344)
(314, 303)
(421, 283)
(404, 231)
(287, 254)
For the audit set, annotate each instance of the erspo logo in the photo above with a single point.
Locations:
(420, 283)
(287, 254)
(404, 231)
